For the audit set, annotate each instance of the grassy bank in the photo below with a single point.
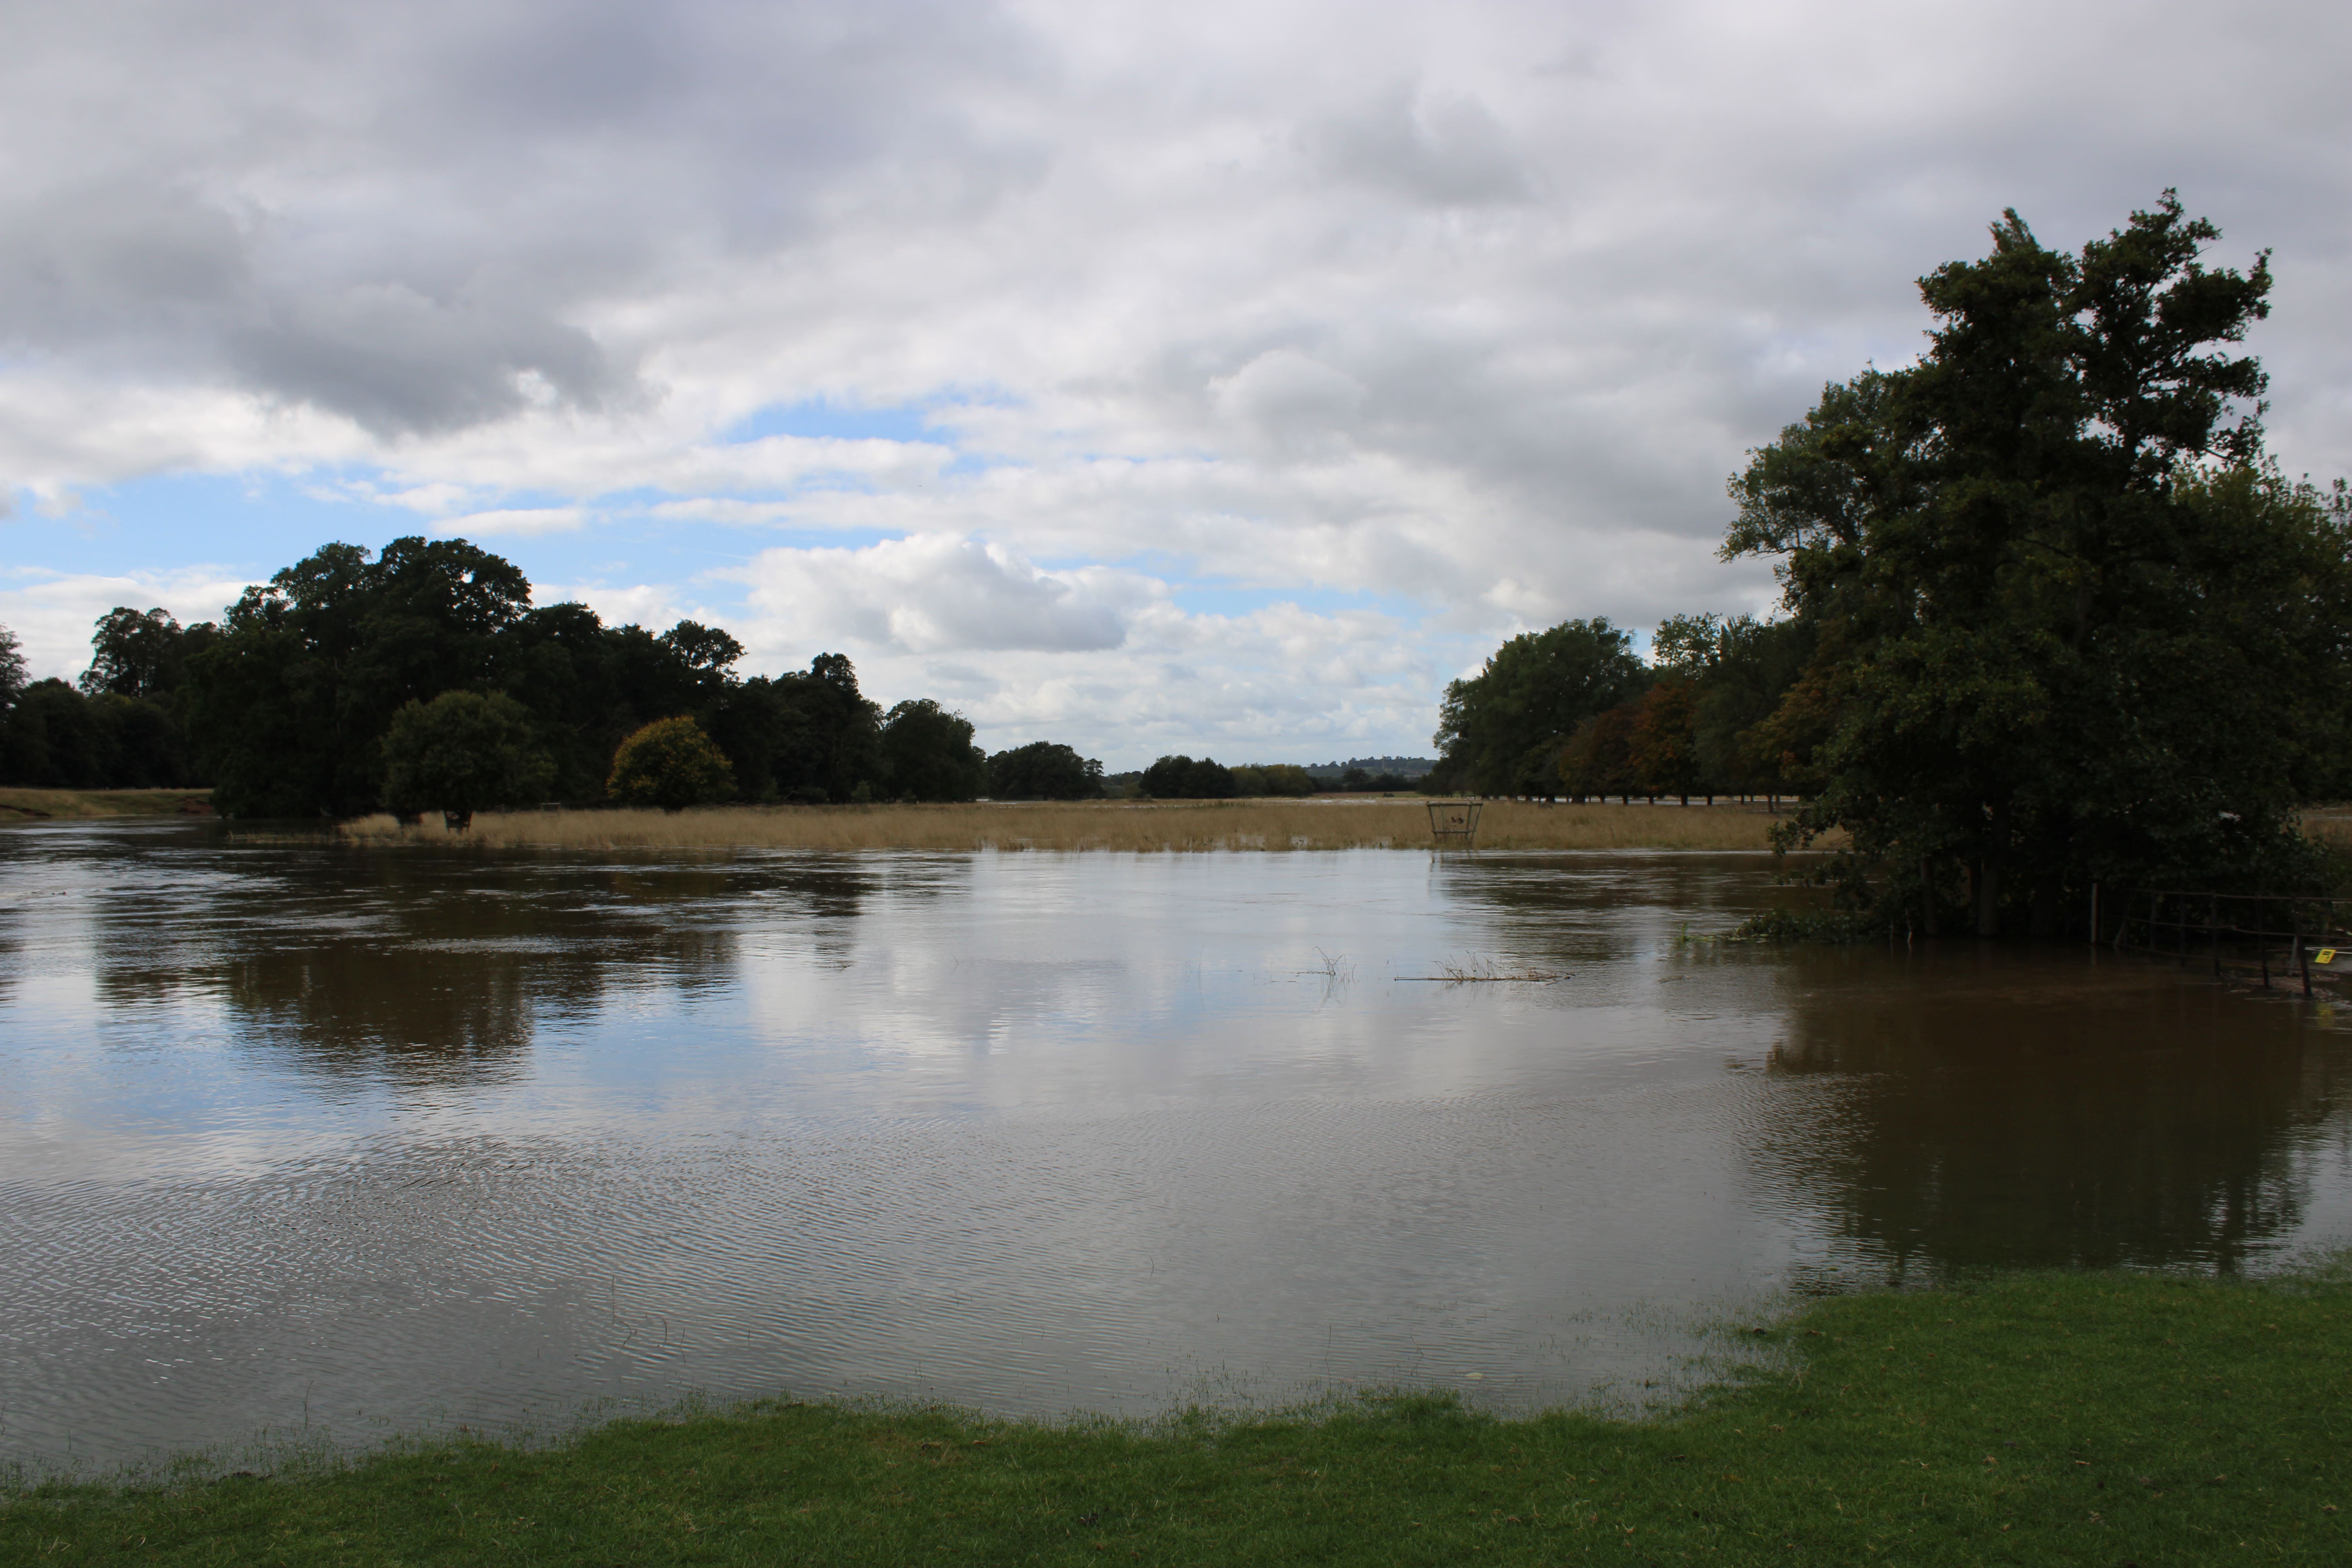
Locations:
(1151, 826)
(2072, 1418)
(35, 805)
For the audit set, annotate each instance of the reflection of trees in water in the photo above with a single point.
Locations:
(1594, 907)
(440, 968)
(12, 951)
(2036, 1113)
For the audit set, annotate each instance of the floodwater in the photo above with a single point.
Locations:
(318, 1140)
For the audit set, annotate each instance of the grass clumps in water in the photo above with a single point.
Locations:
(2094, 1418)
(1834, 926)
(1150, 827)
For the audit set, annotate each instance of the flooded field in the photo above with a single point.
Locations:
(315, 1136)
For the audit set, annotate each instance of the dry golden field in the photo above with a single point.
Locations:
(2329, 824)
(1148, 827)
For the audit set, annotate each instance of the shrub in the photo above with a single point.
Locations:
(670, 763)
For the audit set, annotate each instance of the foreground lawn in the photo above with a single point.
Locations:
(2070, 1419)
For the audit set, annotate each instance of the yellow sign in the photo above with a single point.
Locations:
(2325, 955)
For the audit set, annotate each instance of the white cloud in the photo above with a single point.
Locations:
(526, 520)
(53, 613)
(940, 594)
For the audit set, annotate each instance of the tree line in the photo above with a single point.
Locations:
(2050, 616)
(353, 679)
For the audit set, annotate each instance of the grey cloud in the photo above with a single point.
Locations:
(935, 594)
(152, 278)
(1361, 296)
(1448, 150)
(105, 262)
(416, 217)
(397, 362)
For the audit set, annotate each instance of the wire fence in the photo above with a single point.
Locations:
(1454, 824)
(2299, 938)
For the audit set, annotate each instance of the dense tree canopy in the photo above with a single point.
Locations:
(2065, 624)
(1281, 780)
(1182, 778)
(928, 754)
(135, 654)
(122, 728)
(296, 694)
(1044, 770)
(293, 699)
(1502, 730)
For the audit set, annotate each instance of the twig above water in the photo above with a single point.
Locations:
(1484, 972)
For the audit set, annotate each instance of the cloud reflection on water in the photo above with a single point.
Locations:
(399, 1138)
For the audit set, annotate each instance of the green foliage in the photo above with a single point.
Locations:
(1827, 926)
(670, 763)
(1044, 770)
(125, 734)
(135, 654)
(294, 696)
(2080, 1417)
(807, 736)
(2065, 626)
(1181, 778)
(928, 754)
(1501, 732)
(293, 699)
(460, 753)
(13, 676)
(1286, 780)
(54, 737)
(1744, 668)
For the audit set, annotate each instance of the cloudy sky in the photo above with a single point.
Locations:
(1217, 378)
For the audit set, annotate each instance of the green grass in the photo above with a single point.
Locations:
(2092, 1418)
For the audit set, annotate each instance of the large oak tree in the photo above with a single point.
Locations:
(2069, 624)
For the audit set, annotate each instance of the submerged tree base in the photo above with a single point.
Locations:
(2095, 1418)
(1835, 926)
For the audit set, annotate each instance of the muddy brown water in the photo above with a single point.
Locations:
(330, 1143)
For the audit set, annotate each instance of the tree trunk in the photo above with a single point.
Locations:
(1988, 887)
(1988, 897)
(1928, 898)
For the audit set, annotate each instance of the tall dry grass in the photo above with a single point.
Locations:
(1149, 826)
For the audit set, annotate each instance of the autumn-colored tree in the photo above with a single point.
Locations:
(1598, 761)
(1663, 746)
(670, 763)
